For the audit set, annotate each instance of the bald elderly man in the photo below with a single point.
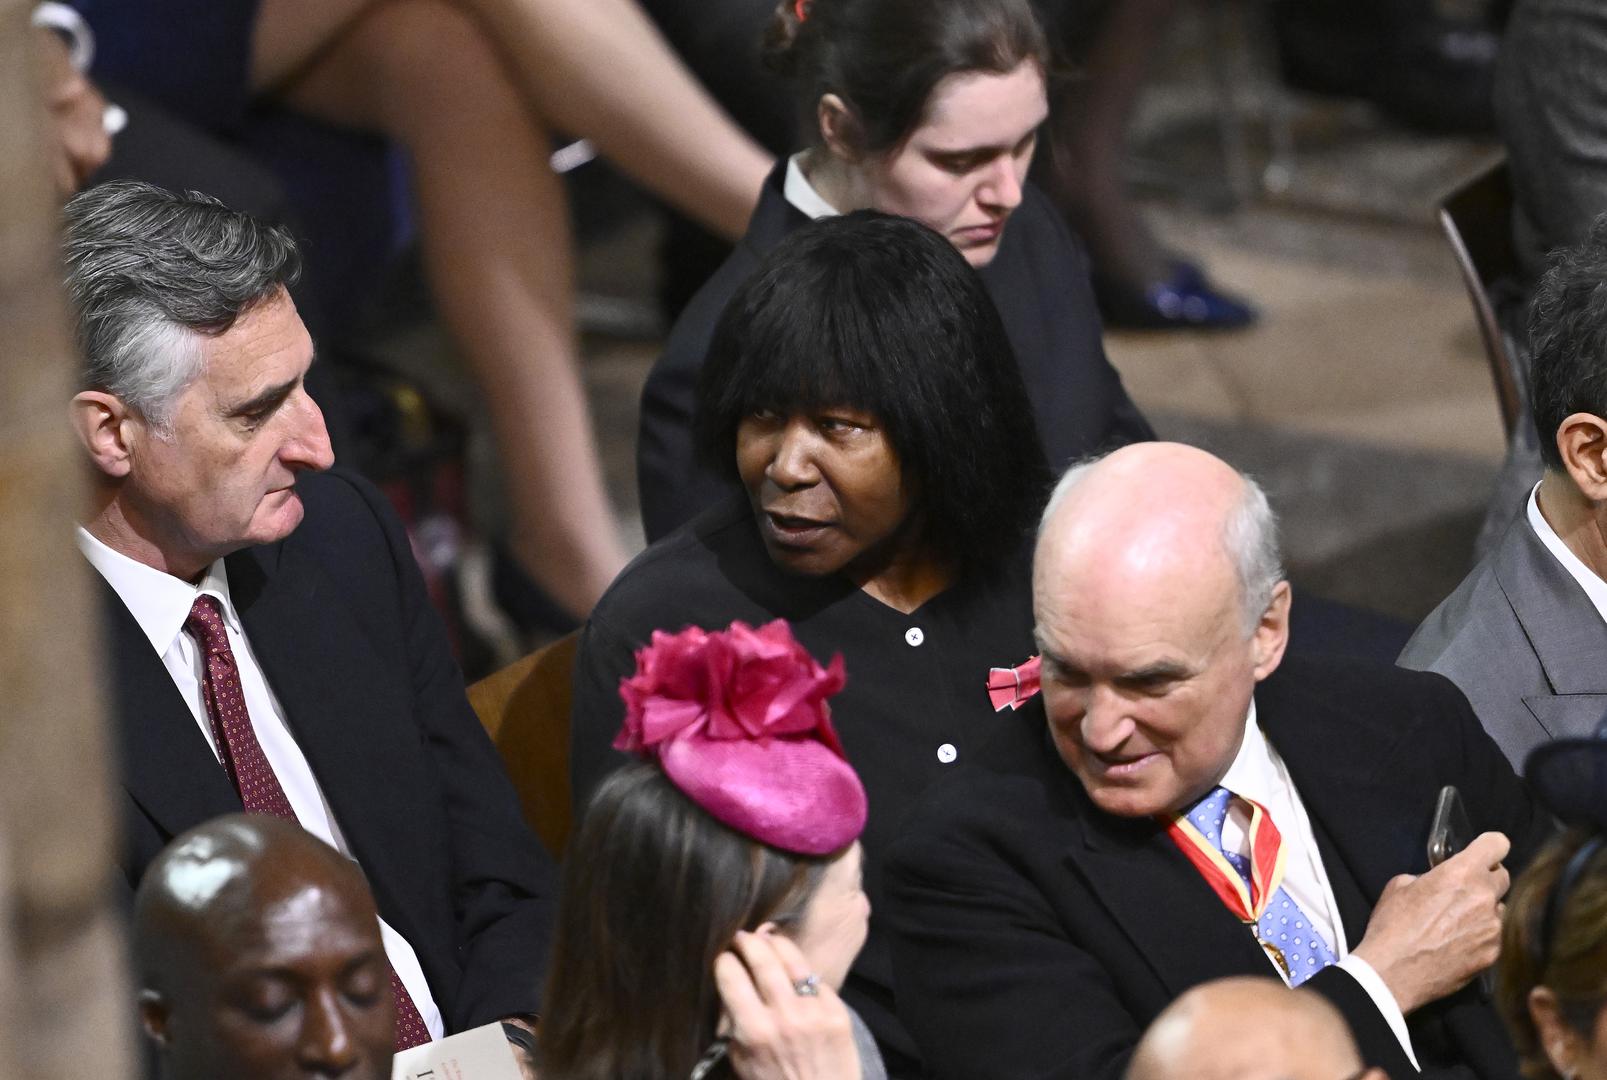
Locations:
(258, 954)
(1183, 802)
(1202, 1036)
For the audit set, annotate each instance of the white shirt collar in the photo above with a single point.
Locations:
(802, 194)
(1254, 773)
(1595, 588)
(159, 602)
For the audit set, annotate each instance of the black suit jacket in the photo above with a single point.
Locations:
(338, 617)
(1039, 282)
(1035, 936)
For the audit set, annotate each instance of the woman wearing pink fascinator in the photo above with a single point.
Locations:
(712, 899)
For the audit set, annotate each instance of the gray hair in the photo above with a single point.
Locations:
(150, 272)
(1249, 537)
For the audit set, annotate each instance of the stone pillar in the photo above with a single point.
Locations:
(65, 1006)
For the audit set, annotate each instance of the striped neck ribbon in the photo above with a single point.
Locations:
(1246, 899)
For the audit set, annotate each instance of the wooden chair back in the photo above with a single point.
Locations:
(525, 709)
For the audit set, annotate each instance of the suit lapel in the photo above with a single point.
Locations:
(1181, 928)
(1566, 631)
(1367, 830)
(157, 734)
(1354, 908)
(343, 703)
(1570, 716)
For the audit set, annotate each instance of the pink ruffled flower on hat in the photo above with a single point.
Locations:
(739, 683)
(738, 720)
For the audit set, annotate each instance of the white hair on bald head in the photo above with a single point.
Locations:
(1074, 475)
(1249, 537)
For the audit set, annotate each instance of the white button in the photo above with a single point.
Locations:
(914, 636)
(946, 753)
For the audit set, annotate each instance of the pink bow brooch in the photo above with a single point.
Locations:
(1011, 688)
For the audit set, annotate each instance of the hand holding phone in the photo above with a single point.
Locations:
(1450, 831)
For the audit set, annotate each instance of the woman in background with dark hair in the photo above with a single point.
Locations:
(861, 390)
(1551, 980)
(712, 900)
(929, 109)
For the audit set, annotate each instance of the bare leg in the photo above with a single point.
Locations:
(591, 68)
(496, 243)
(1090, 140)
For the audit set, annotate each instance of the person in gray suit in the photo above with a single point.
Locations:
(1525, 634)
(1551, 108)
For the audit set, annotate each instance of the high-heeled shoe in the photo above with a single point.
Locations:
(1184, 301)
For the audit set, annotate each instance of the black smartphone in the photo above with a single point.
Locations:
(1450, 830)
(1448, 833)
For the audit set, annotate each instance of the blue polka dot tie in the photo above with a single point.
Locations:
(1283, 929)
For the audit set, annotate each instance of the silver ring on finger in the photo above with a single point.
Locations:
(808, 986)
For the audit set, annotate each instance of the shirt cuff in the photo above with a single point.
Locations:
(66, 21)
(1383, 1000)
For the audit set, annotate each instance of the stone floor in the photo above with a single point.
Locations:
(1361, 400)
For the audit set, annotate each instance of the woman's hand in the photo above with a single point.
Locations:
(78, 143)
(776, 1032)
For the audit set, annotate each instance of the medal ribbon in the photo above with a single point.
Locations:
(1266, 863)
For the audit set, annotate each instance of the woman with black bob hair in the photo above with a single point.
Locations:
(862, 391)
(868, 312)
(928, 109)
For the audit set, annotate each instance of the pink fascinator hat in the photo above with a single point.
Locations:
(738, 720)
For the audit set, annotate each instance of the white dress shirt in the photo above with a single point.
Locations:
(160, 604)
(1594, 586)
(798, 191)
(1258, 773)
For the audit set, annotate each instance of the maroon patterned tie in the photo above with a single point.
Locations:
(248, 767)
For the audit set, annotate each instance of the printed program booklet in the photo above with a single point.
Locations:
(481, 1053)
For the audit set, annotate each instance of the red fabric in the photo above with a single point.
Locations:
(248, 768)
(1011, 688)
(1266, 843)
(739, 720)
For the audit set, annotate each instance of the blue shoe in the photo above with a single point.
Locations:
(1186, 301)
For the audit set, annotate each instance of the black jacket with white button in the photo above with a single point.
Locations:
(915, 705)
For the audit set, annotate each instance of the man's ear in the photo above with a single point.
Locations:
(100, 421)
(1582, 442)
(1271, 634)
(839, 127)
(153, 1016)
